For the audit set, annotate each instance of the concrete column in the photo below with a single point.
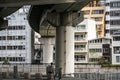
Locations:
(60, 48)
(47, 45)
(69, 50)
(65, 44)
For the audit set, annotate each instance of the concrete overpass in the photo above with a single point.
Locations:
(62, 14)
(13, 3)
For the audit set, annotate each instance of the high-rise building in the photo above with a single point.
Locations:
(96, 11)
(16, 41)
(113, 27)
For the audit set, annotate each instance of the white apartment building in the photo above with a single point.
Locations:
(16, 42)
(99, 48)
(116, 49)
(113, 27)
(84, 31)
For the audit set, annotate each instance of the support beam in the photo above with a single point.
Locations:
(47, 45)
(13, 3)
(65, 44)
(65, 49)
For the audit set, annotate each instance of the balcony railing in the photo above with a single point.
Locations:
(80, 39)
(80, 49)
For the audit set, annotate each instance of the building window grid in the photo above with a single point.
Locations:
(115, 13)
(97, 18)
(95, 50)
(18, 47)
(22, 27)
(96, 41)
(115, 22)
(22, 37)
(13, 59)
(97, 11)
(115, 4)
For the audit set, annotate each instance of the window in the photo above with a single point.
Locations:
(22, 27)
(115, 22)
(115, 31)
(99, 26)
(93, 59)
(86, 12)
(80, 27)
(116, 50)
(117, 58)
(98, 18)
(107, 13)
(116, 38)
(115, 13)
(95, 50)
(98, 12)
(17, 47)
(105, 50)
(115, 4)
(80, 47)
(14, 59)
(79, 36)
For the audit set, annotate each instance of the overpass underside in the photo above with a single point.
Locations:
(63, 15)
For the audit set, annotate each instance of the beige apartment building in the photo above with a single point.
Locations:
(96, 10)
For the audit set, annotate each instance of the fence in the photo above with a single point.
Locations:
(82, 73)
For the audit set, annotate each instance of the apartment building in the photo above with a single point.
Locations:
(16, 41)
(113, 27)
(96, 10)
(84, 31)
(99, 48)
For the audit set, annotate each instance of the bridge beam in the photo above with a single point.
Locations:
(13, 3)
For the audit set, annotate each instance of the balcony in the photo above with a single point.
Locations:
(80, 39)
(80, 50)
(81, 30)
(80, 60)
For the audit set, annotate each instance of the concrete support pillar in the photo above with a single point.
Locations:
(47, 45)
(65, 45)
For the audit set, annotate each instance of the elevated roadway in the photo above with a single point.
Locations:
(16, 3)
(61, 14)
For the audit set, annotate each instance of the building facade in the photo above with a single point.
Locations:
(113, 27)
(98, 49)
(96, 10)
(84, 31)
(16, 41)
